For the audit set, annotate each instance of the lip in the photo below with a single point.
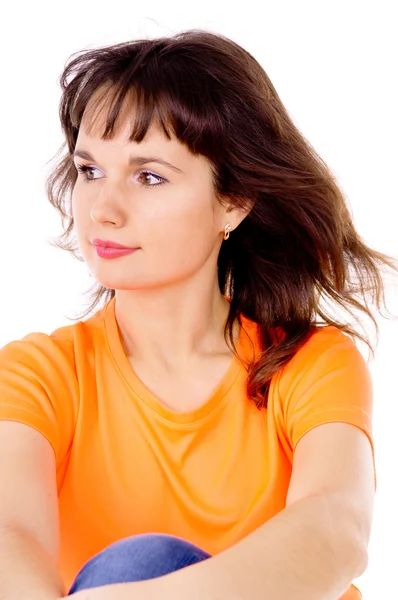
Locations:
(107, 252)
(110, 244)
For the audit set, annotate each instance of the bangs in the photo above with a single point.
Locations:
(189, 113)
(106, 113)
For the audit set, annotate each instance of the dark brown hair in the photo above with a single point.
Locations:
(297, 246)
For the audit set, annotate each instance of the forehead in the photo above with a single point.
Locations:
(93, 125)
(99, 107)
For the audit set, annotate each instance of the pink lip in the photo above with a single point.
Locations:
(104, 252)
(109, 244)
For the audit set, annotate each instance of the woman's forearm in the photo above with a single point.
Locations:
(27, 571)
(311, 550)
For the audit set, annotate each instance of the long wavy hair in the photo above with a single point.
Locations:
(297, 249)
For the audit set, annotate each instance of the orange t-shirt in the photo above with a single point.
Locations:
(127, 464)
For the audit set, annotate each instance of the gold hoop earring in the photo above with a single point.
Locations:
(227, 229)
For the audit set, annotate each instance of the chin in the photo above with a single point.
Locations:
(117, 284)
(108, 276)
(120, 283)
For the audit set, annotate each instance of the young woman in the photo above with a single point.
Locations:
(213, 414)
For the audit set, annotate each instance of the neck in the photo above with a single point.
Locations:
(172, 327)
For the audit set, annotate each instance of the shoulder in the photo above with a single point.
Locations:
(37, 346)
(39, 386)
(324, 340)
(63, 343)
(328, 364)
(37, 369)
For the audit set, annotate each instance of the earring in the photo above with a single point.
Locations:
(227, 229)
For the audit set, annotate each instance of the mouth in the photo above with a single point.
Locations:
(110, 244)
(107, 252)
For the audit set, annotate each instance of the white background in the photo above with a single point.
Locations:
(334, 66)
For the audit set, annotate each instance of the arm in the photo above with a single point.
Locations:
(26, 569)
(311, 550)
(29, 543)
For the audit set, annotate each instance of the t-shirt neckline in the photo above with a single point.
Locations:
(146, 396)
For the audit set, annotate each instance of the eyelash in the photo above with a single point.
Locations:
(84, 168)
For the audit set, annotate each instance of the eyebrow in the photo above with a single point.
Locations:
(132, 161)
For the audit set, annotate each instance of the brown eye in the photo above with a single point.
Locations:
(146, 175)
(84, 170)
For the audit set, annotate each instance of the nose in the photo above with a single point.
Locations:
(109, 206)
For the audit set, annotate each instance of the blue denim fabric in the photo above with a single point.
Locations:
(137, 558)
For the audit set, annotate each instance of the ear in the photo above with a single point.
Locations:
(238, 210)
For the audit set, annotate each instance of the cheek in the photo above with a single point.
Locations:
(81, 218)
(77, 219)
(180, 223)
(76, 203)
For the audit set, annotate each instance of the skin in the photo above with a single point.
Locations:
(169, 308)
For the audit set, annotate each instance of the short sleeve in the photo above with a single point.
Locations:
(328, 380)
(38, 387)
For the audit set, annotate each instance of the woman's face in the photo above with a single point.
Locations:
(171, 215)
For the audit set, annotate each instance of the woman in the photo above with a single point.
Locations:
(203, 417)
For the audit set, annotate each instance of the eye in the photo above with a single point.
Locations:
(86, 169)
(149, 174)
